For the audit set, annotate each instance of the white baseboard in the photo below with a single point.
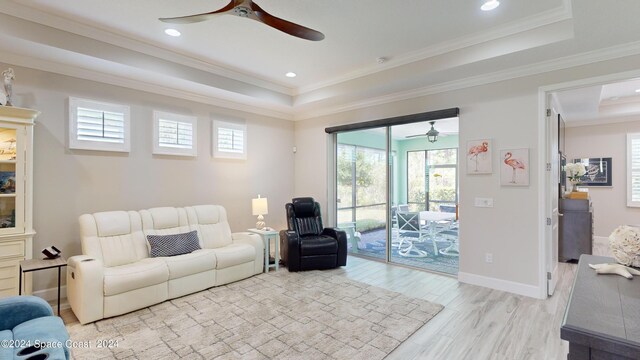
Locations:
(51, 296)
(502, 285)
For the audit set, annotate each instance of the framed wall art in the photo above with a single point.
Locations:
(598, 171)
(478, 155)
(514, 167)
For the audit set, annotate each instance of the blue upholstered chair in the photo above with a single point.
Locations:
(29, 320)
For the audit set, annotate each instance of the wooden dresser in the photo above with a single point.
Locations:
(602, 319)
(575, 228)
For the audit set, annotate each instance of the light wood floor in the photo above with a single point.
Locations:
(477, 323)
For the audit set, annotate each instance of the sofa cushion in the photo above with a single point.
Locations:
(211, 223)
(165, 218)
(112, 223)
(189, 264)
(318, 245)
(146, 272)
(172, 245)
(234, 254)
(115, 237)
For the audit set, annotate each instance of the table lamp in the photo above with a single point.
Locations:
(260, 207)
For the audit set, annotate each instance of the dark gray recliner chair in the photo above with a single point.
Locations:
(307, 245)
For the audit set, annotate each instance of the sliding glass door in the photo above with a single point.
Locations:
(396, 195)
(362, 190)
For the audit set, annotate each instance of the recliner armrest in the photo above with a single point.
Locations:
(254, 240)
(290, 249)
(334, 233)
(85, 287)
(341, 237)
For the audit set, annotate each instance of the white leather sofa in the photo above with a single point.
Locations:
(115, 274)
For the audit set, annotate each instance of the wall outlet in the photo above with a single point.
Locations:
(488, 258)
(484, 202)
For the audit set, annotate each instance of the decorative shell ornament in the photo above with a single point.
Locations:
(624, 243)
(621, 270)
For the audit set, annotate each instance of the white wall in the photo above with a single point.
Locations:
(508, 113)
(608, 140)
(68, 183)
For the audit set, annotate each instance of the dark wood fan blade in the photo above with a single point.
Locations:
(190, 19)
(286, 26)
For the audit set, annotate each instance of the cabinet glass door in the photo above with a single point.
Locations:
(11, 180)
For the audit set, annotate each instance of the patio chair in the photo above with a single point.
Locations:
(453, 248)
(411, 232)
(353, 237)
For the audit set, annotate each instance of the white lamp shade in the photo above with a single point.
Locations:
(259, 206)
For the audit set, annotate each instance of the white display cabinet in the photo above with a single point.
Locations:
(16, 195)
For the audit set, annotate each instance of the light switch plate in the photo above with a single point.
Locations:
(484, 202)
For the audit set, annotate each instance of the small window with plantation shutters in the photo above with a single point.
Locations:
(174, 134)
(99, 126)
(229, 140)
(633, 170)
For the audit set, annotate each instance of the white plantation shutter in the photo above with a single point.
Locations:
(174, 134)
(98, 126)
(633, 170)
(230, 140)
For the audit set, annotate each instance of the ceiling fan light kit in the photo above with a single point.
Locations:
(249, 9)
(432, 135)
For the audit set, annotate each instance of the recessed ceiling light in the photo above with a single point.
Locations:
(490, 5)
(638, 90)
(291, 74)
(172, 32)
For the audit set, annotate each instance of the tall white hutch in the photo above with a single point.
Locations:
(16, 195)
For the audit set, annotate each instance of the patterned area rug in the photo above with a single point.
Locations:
(307, 315)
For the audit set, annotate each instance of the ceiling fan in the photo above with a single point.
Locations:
(432, 134)
(249, 9)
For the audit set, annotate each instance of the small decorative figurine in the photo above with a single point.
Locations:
(8, 76)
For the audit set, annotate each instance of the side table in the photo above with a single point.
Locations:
(36, 264)
(267, 235)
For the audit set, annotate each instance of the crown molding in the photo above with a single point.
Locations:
(126, 41)
(234, 102)
(545, 18)
(603, 121)
(160, 50)
(585, 58)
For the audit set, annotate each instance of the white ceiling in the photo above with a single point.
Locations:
(357, 32)
(598, 104)
(240, 64)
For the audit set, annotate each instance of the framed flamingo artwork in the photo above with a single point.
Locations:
(479, 157)
(514, 167)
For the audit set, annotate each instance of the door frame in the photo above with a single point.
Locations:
(545, 240)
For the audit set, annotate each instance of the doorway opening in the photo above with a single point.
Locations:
(589, 123)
